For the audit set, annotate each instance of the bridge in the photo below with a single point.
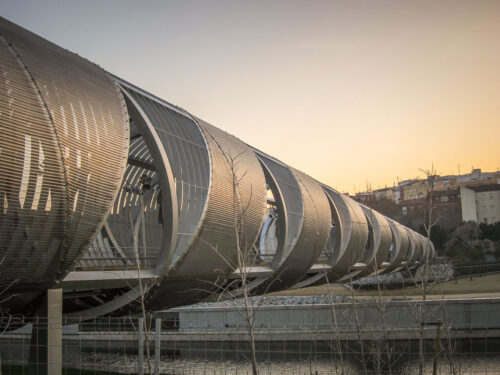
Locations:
(108, 192)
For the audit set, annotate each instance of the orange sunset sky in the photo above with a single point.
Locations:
(350, 92)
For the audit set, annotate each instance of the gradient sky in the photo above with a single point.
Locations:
(349, 92)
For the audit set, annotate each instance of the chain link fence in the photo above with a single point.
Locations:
(171, 343)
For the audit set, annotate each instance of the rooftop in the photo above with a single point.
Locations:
(485, 187)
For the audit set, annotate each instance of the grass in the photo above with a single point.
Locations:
(477, 287)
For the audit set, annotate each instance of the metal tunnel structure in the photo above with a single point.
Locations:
(107, 190)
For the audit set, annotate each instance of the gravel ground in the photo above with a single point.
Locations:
(279, 301)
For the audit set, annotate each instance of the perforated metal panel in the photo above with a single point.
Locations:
(64, 148)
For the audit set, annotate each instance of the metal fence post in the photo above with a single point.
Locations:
(157, 345)
(437, 348)
(140, 344)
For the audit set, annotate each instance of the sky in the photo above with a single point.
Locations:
(353, 93)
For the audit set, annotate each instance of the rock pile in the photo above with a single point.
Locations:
(279, 301)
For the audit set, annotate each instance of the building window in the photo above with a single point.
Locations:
(492, 196)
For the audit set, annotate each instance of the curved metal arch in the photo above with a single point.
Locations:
(282, 219)
(382, 240)
(176, 144)
(313, 236)
(334, 248)
(433, 250)
(425, 249)
(163, 171)
(419, 248)
(395, 250)
(351, 236)
(355, 226)
(292, 202)
(218, 227)
(165, 177)
(262, 282)
(75, 152)
(188, 153)
(406, 247)
(212, 256)
(411, 258)
(115, 245)
(401, 243)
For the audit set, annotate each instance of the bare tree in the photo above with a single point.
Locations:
(424, 283)
(358, 327)
(137, 223)
(237, 288)
(429, 223)
(335, 328)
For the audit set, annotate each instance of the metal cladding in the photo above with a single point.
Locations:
(400, 247)
(380, 241)
(180, 149)
(354, 231)
(432, 250)
(236, 206)
(98, 176)
(314, 233)
(412, 253)
(292, 206)
(346, 243)
(426, 249)
(232, 221)
(419, 248)
(64, 144)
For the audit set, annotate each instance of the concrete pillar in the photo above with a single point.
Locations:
(157, 345)
(140, 339)
(46, 336)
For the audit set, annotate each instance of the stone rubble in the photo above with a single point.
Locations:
(279, 301)
(443, 271)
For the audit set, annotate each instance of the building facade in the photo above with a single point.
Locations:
(481, 203)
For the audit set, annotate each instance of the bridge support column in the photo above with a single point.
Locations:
(46, 336)
(140, 346)
(157, 345)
